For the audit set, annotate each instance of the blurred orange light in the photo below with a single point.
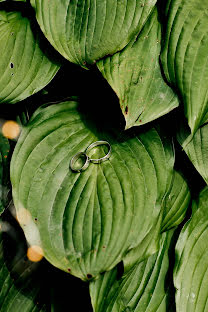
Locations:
(35, 253)
(10, 129)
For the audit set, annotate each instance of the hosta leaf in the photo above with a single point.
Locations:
(184, 56)
(190, 274)
(24, 67)
(79, 216)
(4, 172)
(3, 16)
(196, 147)
(20, 279)
(135, 76)
(85, 31)
(33, 286)
(176, 203)
(142, 289)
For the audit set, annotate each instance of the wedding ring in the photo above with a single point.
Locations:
(75, 158)
(102, 159)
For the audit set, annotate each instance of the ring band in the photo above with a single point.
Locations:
(102, 159)
(75, 158)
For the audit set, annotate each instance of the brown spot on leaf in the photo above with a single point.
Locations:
(69, 270)
(89, 276)
(126, 110)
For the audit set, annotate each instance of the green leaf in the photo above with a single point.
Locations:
(24, 67)
(196, 147)
(184, 57)
(135, 76)
(142, 289)
(191, 267)
(20, 279)
(85, 31)
(3, 16)
(77, 217)
(176, 203)
(4, 172)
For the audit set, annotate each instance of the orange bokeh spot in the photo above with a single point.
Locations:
(10, 129)
(35, 253)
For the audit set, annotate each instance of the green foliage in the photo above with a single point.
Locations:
(4, 172)
(19, 279)
(100, 200)
(24, 68)
(85, 31)
(196, 148)
(135, 76)
(142, 289)
(184, 56)
(176, 202)
(115, 231)
(190, 274)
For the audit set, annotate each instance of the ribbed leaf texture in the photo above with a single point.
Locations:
(24, 67)
(196, 147)
(85, 31)
(184, 57)
(175, 205)
(87, 222)
(4, 172)
(176, 202)
(142, 289)
(19, 284)
(135, 76)
(191, 267)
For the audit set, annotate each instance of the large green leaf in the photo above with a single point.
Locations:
(175, 205)
(196, 147)
(85, 31)
(190, 274)
(184, 56)
(135, 76)
(142, 289)
(4, 172)
(24, 67)
(78, 217)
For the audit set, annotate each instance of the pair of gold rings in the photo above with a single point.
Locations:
(87, 159)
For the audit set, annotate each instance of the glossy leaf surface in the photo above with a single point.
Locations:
(175, 205)
(24, 67)
(142, 289)
(85, 31)
(135, 76)
(78, 217)
(190, 275)
(196, 147)
(184, 57)
(176, 202)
